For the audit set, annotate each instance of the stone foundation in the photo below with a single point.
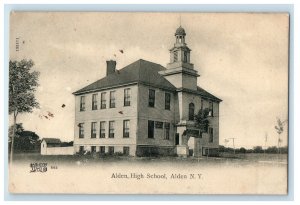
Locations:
(210, 152)
(152, 151)
(182, 150)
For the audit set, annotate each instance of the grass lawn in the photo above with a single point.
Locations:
(242, 159)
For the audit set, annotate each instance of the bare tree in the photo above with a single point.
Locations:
(279, 130)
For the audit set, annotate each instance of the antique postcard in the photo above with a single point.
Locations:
(148, 103)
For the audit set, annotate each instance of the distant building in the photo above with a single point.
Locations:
(52, 146)
(147, 109)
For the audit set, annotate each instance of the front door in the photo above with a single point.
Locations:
(177, 139)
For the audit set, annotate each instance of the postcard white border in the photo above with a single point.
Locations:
(162, 8)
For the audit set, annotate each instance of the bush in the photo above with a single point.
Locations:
(221, 148)
(284, 150)
(272, 150)
(258, 149)
(118, 154)
(81, 153)
(242, 150)
(115, 154)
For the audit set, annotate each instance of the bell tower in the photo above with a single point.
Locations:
(180, 52)
(180, 71)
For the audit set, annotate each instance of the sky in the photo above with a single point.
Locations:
(241, 58)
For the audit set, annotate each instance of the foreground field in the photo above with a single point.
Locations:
(226, 158)
(247, 174)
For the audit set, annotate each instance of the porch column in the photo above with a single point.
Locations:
(180, 131)
(182, 148)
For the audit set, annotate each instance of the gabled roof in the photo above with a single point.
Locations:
(52, 140)
(140, 71)
(206, 94)
(200, 91)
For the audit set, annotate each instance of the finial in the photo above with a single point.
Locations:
(180, 20)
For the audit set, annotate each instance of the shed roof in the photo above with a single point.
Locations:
(52, 140)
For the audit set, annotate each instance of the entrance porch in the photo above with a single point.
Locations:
(187, 140)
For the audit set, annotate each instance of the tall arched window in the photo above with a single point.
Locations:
(185, 58)
(191, 111)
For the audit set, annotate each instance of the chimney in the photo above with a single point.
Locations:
(110, 67)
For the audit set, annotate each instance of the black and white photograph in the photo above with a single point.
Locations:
(148, 103)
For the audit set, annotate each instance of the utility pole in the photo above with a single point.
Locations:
(266, 139)
(233, 138)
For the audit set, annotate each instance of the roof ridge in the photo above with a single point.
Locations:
(139, 71)
(149, 62)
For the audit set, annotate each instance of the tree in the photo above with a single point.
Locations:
(257, 149)
(201, 119)
(279, 130)
(24, 141)
(22, 85)
(28, 141)
(18, 129)
(242, 150)
(272, 150)
(14, 131)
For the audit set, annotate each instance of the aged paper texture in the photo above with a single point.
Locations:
(148, 103)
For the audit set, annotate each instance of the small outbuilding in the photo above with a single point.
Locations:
(52, 146)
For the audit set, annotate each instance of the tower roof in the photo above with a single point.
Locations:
(180, 31)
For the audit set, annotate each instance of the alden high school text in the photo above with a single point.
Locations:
(139, 176)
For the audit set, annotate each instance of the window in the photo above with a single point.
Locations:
(126, 151)
(211, 134)
(202, 101)
(151, 98)
(175, 56)
(93, 149)
(111, 149)
(81, 149)
(111, 129)
(211, 109)
(191, 111)
(93, 130)
(94, 102)
(185, 57)
(167, 130)
(159, 125)
(102, 149)
(82, 103)
(126, 128)
(150, 129)
(103, 100)
(81, 130)
(127, 97)
(167, 101)
(112, 101)
(102, 129)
